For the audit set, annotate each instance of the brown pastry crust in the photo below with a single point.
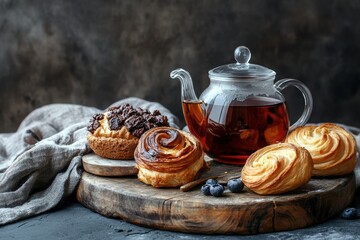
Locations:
(168, 157)
(277, 169)
(118, 144)
(332, 148)
(115, 133)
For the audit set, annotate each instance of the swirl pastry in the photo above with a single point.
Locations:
(115, 133)
(332, 148)
(168, 157)
(277, 169)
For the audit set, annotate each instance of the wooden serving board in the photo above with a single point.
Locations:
(241, 213)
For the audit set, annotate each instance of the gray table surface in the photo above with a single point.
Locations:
(73, 221)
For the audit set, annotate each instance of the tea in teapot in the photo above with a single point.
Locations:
(241, 111)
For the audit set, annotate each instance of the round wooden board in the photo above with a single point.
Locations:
(97, 165)
(240, 213)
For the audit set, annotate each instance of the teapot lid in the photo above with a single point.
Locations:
(242, 69)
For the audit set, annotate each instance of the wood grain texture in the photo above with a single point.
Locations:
(97, 165)
(240, 213)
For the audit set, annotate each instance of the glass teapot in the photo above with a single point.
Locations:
(241, 111)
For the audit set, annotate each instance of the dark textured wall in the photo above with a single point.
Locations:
(96, 52)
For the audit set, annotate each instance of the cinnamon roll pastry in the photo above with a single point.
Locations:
(332, 148)
(277, 169)
(168, 157)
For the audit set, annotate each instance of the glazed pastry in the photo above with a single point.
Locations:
(332, 148)
(277, 169)
(115, 133)
(168, 157)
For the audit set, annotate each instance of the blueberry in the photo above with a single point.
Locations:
(205, 189)
(211, 181)
(216, 190)
(235, 185)
(349, 213)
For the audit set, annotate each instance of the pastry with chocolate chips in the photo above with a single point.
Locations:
(115, 133)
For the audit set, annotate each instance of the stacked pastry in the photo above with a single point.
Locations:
(165, 156)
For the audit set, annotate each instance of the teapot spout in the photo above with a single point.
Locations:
(187, 88)
(193, 110)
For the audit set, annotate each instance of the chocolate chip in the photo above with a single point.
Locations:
(150, 118)
(156, 113)
(149, 125)
(93, 125)
(136, 120)
(98, 116)
(114, 123)
(161, 120)
(94, 122)
(138, 132)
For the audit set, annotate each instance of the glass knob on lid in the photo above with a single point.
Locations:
(242, 69)
(242, 56)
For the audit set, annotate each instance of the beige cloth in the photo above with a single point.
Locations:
(40, 164)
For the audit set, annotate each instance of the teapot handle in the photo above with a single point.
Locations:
(284, 83)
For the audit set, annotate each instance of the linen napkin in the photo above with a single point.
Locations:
(40, 163)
